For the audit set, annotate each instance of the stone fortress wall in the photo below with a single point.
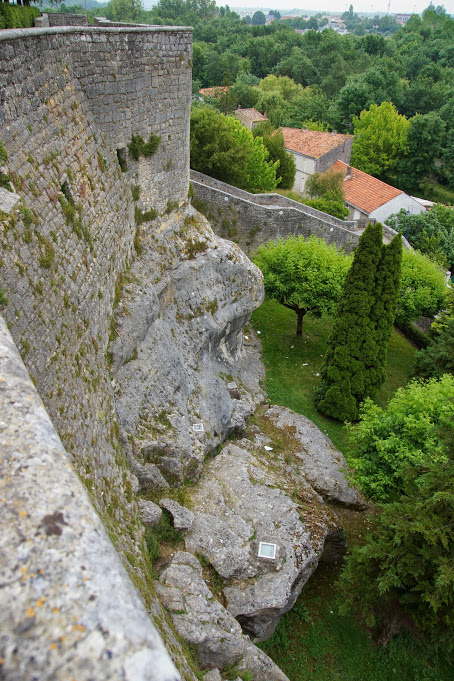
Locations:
(69, 99)
(254, 219)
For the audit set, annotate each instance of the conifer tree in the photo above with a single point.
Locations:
(384, 310)
(355, 362)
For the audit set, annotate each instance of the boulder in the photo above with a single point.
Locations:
(182, 517)
(203, 622)
(213, 675)
(238, 505)
(322, 464)
(150, 513)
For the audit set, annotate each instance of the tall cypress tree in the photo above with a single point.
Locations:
(384, 310)
(355, 362)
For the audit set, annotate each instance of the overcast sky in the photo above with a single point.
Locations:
(408, 6)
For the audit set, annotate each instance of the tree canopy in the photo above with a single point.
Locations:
(407, 558)
(305, 275)
(225, 149)
(422, 289)
(273, 140)
(404, 434)
(431, 232)
(381, 138)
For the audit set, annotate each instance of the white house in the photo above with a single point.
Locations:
(315, 151)
(367, 197)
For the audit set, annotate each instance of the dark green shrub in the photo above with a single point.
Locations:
(15, 16)
(3, 298)
(3, 152)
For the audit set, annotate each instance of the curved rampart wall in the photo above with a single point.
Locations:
(253, 219)
(69, 98)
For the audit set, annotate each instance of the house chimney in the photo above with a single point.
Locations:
(305, 129)
(348, 174)
(334, 132)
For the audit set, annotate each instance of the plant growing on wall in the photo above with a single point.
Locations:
(138, 147)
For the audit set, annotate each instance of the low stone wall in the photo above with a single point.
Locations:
(63, 583)
(66, 19)
(253, 219)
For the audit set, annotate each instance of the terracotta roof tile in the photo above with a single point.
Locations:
(364, 191)
(312, 143)
(214, 91)
(252, 114)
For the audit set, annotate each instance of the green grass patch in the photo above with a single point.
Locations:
(313, 642)
(292, 364)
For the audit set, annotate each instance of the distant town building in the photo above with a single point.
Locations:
(402, 18)
(216, 92)
(250, 117)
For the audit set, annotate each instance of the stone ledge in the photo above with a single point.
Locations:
(68, 606)
(15, 33)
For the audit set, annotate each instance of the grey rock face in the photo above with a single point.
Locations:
(321, 463)
(180, 342)
(213, 675)
(150, 513)
(239, 504)
(182, 517)
(202, 621)
(197, 615)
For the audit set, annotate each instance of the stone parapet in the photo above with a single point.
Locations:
(69, 609)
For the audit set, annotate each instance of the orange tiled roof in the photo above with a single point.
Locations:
(214, 91)
(312, 142)
(364, 191)
(252, 114)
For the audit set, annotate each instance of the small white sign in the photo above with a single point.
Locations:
(198, 427)
(231, 385)
(267, 550)
(267, 449)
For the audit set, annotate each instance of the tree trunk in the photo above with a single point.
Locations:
(299, 325)
(300, 312)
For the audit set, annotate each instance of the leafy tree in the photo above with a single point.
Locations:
(407, 558)
(222, 147)
(329, 184)
(305, 275)
(422, 289)
(388, 441)
(381, 135)
(258, 18)
(431, 232)
(424, 143)
(438, 357)
(276, 13)
(355, 360)
(273, 140)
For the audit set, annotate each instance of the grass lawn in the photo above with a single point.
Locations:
(293, 364)
(313, 642)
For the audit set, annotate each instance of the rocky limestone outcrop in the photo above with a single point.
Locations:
(319, 462)
(239, 503)
(202, 621)
(182, 377)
